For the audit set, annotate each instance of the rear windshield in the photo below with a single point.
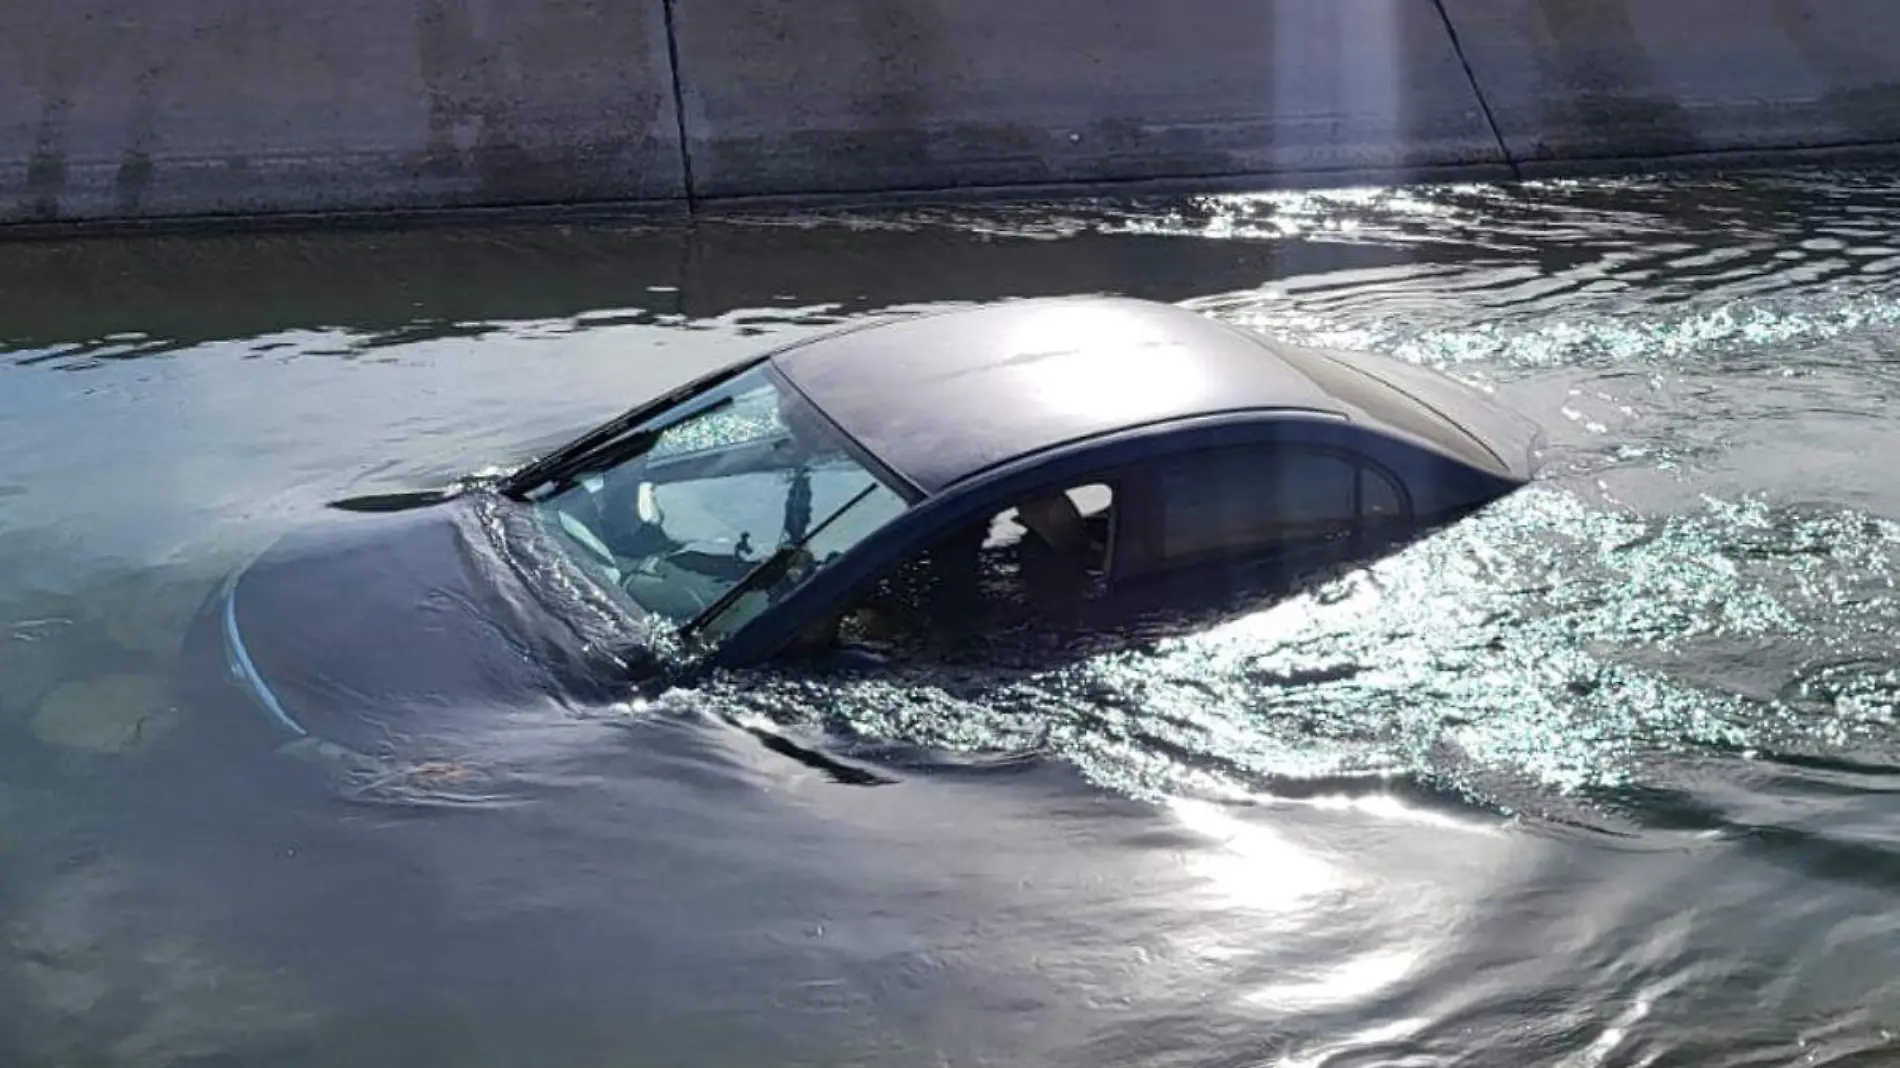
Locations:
(1389, 405)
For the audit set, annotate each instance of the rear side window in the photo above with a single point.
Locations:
(1379, 499)
(1241, 501)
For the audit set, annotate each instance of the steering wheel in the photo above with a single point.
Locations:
(674, 595)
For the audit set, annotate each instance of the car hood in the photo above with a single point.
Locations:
(393, 630)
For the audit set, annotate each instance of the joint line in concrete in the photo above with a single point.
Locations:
(1484, 105)
(679, 107)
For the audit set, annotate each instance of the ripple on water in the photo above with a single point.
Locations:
(1849, 696)
(32, 660)
(1543, 648)
(148, 618)
(109, 980)
(1688, 626)
(107, 715)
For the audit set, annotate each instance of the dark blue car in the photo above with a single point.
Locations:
(1037, 459)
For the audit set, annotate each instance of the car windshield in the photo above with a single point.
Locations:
(740, 485)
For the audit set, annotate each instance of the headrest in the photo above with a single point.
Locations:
(1056, 520)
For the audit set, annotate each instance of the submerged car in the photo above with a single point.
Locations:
(1116, 449)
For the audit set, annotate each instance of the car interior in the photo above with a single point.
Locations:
(1041, 557)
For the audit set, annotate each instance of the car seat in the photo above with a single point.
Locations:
(1058, 522)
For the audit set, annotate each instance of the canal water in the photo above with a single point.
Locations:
(1607, 774)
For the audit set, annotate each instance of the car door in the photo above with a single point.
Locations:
(1016, 562)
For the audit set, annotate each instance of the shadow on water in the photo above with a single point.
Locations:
(1600, 774)
(1675, 240)
(117, 299)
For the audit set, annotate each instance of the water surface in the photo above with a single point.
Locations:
(1603, 775)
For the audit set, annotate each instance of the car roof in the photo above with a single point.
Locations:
(943, 396)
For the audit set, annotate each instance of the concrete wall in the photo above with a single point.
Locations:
(848, 95)
(138, 108)
(1569, 80)
(123, 108)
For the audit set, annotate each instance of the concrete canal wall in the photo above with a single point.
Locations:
(852, 95)
(1569, 81)
(129, 109)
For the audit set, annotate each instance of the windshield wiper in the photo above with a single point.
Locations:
(535, 472)
(599, 451)
(772, 568)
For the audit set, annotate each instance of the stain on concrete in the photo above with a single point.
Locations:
(904, 53)
(1795, 20)
(941, 155)
(473, 87)
(1866, 113)
(446, 54)
(1861, 112)
(555, 100)
(133, 179)
(1116, 135)
(1127, 145)
(1600, 89)
(501, 163)
(46, 167)
(957, 155)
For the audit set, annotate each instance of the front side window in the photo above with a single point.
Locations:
(1038, 560)
(716, 508)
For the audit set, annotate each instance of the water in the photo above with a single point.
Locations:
(1604, 775)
